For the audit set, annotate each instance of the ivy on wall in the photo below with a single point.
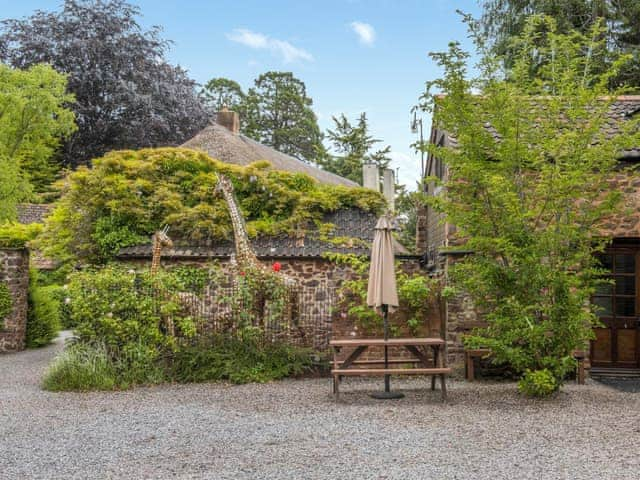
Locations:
(128, 195)
(6, 302)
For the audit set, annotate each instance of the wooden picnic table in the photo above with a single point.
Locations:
(416, 346)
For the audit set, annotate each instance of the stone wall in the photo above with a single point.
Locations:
(33, 212)
(321, 279)
(14, 270)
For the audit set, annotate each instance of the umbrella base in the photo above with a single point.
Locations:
(386, 395)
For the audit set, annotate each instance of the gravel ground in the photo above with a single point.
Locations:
(293, 430)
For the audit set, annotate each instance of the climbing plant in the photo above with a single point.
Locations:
(128, 195)
(6, 302)
(418, 295)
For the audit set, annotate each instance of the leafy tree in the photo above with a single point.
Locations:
(33, 120)
(504, 20)
(353, 144)
(528, 192)
(222, 92)
(278, 113)
(407, 205)
(126, 94)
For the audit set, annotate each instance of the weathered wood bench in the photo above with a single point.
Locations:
(348, 367)
(472, 353)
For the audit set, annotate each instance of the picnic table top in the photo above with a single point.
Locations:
(371, 342)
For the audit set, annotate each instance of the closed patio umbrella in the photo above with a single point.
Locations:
(382, 293)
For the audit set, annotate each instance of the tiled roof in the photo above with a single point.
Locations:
(624, 107)
(351, 223)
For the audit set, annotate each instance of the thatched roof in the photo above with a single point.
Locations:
(220, 143)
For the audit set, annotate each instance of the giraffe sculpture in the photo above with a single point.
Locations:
(245, 261)
(161, 240)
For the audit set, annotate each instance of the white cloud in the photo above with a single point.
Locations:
(287, 52)
(366, 33)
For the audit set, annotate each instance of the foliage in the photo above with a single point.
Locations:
(277, 112)
(128, 195)
(18, 235)
(222, 92)
(538, 383)
(61, 295)
(33, 121)
(504, 20)
(528, 193)
(119, 317)
(243, 359)
(353, 144)
(126, 94)
(81, 368)
(417, 296)
(6, 302)
(126, 311)
(43, 315)
(407, 206)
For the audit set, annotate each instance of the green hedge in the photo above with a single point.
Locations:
(17, 235)
(43, 316)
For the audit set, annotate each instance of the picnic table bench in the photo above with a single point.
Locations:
(415, 346)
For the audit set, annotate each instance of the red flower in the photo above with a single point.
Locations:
(276, 267)
(242, 273)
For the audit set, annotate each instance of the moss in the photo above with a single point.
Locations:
(137, 192)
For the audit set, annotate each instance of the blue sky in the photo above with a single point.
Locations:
(353, 55)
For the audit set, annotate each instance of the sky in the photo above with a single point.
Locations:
(353, 55)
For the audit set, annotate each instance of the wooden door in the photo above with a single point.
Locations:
(617, 340)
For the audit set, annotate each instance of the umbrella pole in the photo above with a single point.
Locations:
(387, 394)
(387, 381)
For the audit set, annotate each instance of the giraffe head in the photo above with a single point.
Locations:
(161, 238)
(223, 184)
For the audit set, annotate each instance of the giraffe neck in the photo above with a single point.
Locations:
(155, 261)
(244, 251)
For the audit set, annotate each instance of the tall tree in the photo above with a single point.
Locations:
(353, 145)
(278, 113)
(126, 94)
(33, 120)
(527, 187)
(503, 20)
(223, 92)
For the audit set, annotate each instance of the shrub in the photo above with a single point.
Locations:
(43, 318)
(238, 360)
(61, 294)
(80, 368)
(120, 308)
(538, 383)
(17, 235)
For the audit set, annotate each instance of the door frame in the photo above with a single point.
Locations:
(615, 322)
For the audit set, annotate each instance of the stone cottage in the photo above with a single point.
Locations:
(617, 343)
(303, 256)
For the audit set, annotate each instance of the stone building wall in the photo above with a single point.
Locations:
(14, 270)
(320, 279)
(461, 315)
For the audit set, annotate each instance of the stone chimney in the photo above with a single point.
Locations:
(371, 176)
(389, 187)
(229, 120)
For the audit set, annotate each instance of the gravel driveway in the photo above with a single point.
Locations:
(293, 430)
